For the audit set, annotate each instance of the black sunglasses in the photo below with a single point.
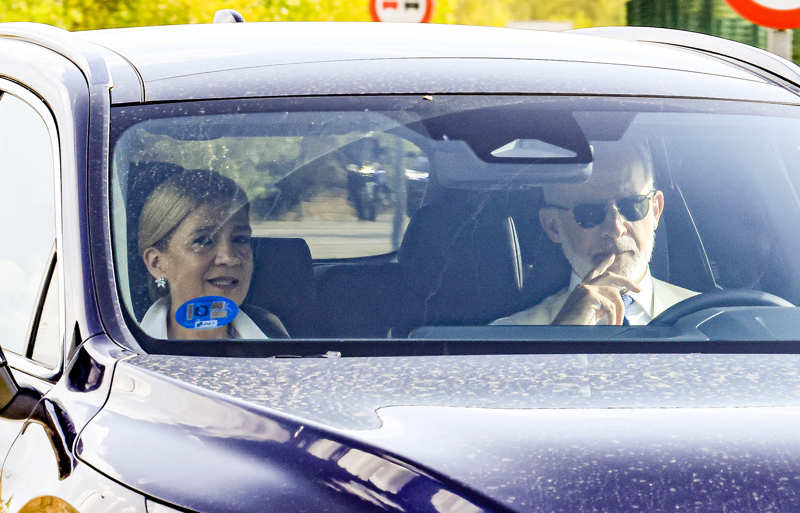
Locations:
(589, 215)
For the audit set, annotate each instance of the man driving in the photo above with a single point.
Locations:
(606, 229)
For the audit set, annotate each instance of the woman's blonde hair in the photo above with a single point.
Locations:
(177, 197)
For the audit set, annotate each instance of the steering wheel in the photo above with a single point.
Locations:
(717, 298)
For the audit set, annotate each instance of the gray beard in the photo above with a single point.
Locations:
(634, 270)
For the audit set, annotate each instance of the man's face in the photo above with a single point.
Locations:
(614, 176)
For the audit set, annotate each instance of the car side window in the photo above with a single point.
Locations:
(27, 215)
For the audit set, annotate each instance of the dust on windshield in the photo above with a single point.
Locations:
(460, 217)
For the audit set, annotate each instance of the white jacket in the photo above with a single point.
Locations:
(664, 295)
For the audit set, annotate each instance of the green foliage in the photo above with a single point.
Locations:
(582, 13)
(93, 14)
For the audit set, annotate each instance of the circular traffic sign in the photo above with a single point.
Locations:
(777, 14)
(402, 11)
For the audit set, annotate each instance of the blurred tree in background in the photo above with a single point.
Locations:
(582, 13)
(92, 14)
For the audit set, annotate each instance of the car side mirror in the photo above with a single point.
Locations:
(8, 386)
(15, 403)
(26, 404)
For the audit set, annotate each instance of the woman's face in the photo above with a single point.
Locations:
(209, 254)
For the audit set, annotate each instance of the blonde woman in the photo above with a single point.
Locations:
(195, 240)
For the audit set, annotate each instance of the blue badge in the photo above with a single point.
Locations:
(206, 313)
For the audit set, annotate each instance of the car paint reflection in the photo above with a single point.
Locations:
(277, 463)
(86, 490)
(658, 459)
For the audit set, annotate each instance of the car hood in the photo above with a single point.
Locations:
(532, 433)
(349, 393)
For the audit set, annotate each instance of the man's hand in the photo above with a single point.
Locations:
(597, 297)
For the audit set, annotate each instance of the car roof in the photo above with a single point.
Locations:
(230, 60)
(171, 51)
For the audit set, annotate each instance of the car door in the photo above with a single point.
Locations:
(31, 321)
(49, 329)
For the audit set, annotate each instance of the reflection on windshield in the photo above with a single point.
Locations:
(383, 217)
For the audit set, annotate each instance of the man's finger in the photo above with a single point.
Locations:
(622, 283)
(612, 307)
(601, 269)
(619, 308)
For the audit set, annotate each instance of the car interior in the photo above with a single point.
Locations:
(472, 254)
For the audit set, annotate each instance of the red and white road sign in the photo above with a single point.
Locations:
(402, 11)
(777, 14)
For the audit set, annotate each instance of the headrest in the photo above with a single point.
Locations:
(144, 178)
(282, 279)
(463, 261)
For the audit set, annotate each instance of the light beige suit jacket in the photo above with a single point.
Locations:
(664, 295)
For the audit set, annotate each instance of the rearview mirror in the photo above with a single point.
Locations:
(519, 164)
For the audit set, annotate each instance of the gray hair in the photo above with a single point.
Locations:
(609, 155)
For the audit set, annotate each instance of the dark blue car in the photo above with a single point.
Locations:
(313, 267)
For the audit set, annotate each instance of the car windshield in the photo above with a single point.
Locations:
(457, 217)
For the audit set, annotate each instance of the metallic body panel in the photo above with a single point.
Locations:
(94, 61)
(298, 54)
(195, 49)
(534, 433)
(611, 460)
(467, 75)
(766, 61)
(346, 393)
(271, 462)
(47, 442)
(86, 491)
